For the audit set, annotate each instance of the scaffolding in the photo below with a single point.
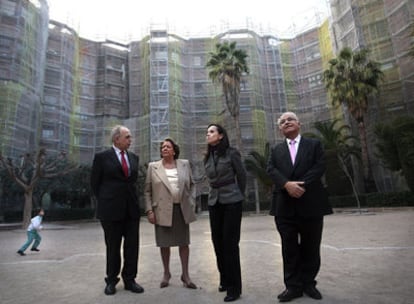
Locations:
(139, 97)
(159, 86)
(84, 123)
(23, 34)
(159, 91)
(384, 27)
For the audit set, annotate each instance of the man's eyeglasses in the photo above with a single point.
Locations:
(289, 119)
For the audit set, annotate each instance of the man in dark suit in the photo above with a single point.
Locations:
(113, 180)
(299, 203)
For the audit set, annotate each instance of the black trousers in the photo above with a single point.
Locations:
(225, 223)
(301, 240)
(114, 232)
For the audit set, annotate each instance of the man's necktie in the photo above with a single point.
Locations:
(124, 164)
(292, 150)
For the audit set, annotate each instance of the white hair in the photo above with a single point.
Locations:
(291, 114)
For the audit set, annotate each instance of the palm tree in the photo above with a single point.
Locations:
(226, 66)
(339, 148)
(352, 79)
(256, 164)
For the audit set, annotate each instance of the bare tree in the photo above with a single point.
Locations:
(30, 169)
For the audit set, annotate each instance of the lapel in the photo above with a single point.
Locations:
(160, 172)
(182, 171)
(115, 160)
(286, 155)
(300, 151)
(299, 154)
(132, 163)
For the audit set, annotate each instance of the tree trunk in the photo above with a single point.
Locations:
(257, 196)
(27, 211)
(368, 178)
(364, 149)
(358, 175)
(354, 190)
(238, 135)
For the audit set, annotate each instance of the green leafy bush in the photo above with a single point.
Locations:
(376, 199)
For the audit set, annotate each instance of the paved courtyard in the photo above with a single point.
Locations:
(366, 258)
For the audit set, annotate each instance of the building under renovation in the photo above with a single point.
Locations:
(63, 92)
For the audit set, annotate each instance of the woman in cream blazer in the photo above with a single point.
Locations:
(170, 204)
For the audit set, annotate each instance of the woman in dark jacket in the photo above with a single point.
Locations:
(227, 178)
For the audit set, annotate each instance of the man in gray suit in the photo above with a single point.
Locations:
(113, 182)
(299, 203)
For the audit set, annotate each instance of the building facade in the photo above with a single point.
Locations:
(64, 92)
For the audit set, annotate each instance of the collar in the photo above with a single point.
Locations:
(117, 150)
(297, 139)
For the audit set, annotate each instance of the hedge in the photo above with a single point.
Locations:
(367, 200)
(54, 215)
(375, 199)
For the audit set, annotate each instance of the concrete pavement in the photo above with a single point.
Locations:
(366, 258)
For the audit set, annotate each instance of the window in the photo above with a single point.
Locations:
(47, 133)
(5, 45)
(161, 55)
(75, 139)
(175, 57)
(197, 61)
(378, 29)
(8, 7)
(53, 99)
(312, 52)
(315, 80)
(52, 77)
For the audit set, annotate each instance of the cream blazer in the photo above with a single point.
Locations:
(158, 193)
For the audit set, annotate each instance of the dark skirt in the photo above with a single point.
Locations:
(177, 235)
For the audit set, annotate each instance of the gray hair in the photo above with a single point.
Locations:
(291, 114)
(116, 132)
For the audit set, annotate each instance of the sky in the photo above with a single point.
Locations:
(126, 20)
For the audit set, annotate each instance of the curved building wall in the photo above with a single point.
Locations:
(159, 86)
(384, 27)
(23, 36)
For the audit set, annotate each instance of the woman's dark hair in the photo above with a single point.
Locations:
(222, 146)
(175, 147)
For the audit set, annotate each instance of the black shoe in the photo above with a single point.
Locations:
(188, 284)
(281, 294)
(312, 292)
(34, 249)
(221, 288)
(231, 298)
(110, 289)
(289, 294)
(134, 287)
(21, 253)
(284, 292)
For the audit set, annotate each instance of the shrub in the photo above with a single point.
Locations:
(54, 215)
(375, 199)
